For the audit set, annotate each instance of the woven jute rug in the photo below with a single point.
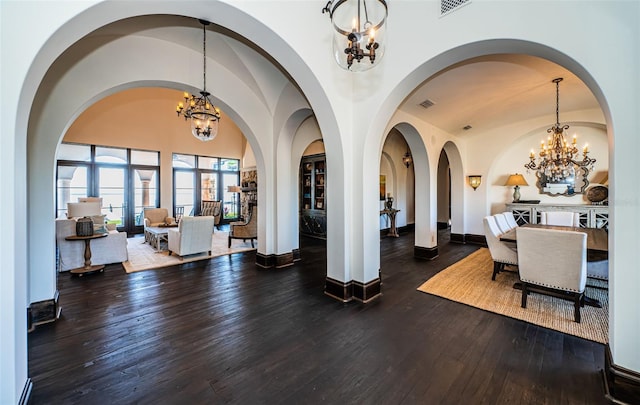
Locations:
(469, 282)
(143, 256)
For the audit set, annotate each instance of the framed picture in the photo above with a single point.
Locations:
(383, 187)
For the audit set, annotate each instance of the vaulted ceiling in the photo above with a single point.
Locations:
(484, 93)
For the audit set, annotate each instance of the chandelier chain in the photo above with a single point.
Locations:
(204, 58)
(558, 101)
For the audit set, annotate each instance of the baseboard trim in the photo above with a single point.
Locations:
(367, 292)
(442, 225)
(265, 261)
(26, 392)
(458, 238)
(622, 386)
(339, 290)
(278, 261)
(41, 312)
(425, 253)
(475, 239)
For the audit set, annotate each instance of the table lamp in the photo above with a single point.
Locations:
(516, 180)
(84, 211)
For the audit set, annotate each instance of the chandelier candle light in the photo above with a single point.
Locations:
(558, 157)
(359, 29)
(204, 116)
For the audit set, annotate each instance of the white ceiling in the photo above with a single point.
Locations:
(485, 92)
(495, 90)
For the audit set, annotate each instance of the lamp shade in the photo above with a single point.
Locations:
(83, 209)
(516, 180)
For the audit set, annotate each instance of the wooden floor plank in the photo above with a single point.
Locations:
(224, 331)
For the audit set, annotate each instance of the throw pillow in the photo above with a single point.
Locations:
(99, 223)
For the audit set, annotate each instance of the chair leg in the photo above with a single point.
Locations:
(229, 242)
(252, 243)
(496, 270)
(524, 295)
(576, 305)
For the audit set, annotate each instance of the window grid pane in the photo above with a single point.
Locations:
(205, 162)
(184, 161)
(79, 153)
(110, 155)
(143, 157)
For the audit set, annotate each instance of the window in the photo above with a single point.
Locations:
(205, 178)
(126, 179)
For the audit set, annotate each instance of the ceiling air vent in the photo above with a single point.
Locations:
(427, 103)
(447, 6)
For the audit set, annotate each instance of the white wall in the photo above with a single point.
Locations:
(353, 115)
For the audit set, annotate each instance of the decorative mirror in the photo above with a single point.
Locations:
(573, 180)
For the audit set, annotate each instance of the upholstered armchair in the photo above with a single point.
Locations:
(193, 235)
(511, 220)
(502, 222)
(213, 209)
(156, 217)
(561, 218)
(501, 253)
(245, 230)
(555, 260)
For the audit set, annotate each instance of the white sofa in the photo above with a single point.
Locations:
(70, 254)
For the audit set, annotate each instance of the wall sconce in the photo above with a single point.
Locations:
(407, 159)
(474, 181)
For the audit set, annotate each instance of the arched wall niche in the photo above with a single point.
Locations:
(423, 216)
(457, 189)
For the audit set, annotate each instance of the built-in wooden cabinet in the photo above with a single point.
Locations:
(591, 216)
(313, 218)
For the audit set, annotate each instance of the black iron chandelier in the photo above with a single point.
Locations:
(359, 30)
(204, 116)
(558, 158)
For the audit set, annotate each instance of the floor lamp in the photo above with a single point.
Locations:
(234, 190)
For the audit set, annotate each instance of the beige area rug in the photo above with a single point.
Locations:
(144, 257)
(469, 282)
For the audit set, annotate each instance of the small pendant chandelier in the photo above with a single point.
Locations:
(359, 30)
(558, 158)
(204, 116)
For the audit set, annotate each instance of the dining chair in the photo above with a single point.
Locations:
(561, 218)
(511, 220)
(555, 260)
(503, 225)
(501, 253)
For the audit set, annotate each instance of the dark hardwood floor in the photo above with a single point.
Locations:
(226, 332)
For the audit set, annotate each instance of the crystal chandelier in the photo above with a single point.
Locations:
(359, 29)
(204, 116)
(558, 158)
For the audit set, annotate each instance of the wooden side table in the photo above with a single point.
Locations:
(88, 268)
(391, 214)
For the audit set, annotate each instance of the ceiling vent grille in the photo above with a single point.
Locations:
(447, 6)
(427, 103)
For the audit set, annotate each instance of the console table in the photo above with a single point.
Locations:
(591, 216)
(88, 268)
(391, 214)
